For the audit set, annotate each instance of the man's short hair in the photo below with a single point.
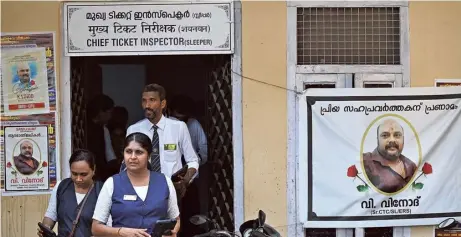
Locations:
(98, 104)
(22, 65)
(25, 141)
(156, 88)
(182, 104)
(377, 128)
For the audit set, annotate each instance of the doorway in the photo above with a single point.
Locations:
(204, 78)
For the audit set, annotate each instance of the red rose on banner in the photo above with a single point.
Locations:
(32, 83)
(427, 168)
(40, 171)
(352, 171)
(10, 166)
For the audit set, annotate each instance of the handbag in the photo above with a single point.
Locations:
(75, 222)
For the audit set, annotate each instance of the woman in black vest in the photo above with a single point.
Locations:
(137, 197)
(71, 194)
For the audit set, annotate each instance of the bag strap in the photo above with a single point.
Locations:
(75, 222)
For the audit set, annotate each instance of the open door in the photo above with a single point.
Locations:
(86, 81)
(220, 149)
(78, 103)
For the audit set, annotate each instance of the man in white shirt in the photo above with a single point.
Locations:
(170, 139)
(182, 108)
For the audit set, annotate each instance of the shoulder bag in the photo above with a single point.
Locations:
(75, 222)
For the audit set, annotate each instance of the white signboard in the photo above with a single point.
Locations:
(148, 28)
(380, 157)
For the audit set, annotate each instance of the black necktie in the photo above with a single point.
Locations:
(155, 157)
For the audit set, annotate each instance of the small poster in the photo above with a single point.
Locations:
(25, 81)
(35, 120)
(26, 158)
(447, 82)
(452, 232)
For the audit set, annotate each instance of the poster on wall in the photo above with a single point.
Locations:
(452, 232)
(24, 81)
(148, 28)
(31, 41)
(35, 40)
(43, 120)
(393, 156)
(26, 158)
(447, 82)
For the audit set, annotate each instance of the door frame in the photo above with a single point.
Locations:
(237, 123)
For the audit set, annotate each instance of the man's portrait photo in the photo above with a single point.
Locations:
(25, 81)
(25, 162)
(23, 74)
(386, 167)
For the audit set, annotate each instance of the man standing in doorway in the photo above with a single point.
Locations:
(170, 138)
(196, 199)
(99, 112)
(182, 108)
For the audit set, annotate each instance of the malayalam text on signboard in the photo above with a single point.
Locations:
(142, 28)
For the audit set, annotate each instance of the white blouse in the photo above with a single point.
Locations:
(52, 211)
(104, 203)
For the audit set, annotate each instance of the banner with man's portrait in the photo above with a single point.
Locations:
(380, 157)
(26, 158)
(25, 81)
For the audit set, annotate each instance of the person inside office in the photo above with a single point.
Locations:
(170, 139)
(137, 197)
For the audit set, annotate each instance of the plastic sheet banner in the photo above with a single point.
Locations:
(380, 157)
(30, 43)
(39, 121)
(36, 40)
(26, 149)
(24, 81)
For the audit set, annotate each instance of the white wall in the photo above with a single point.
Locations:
(124, 84)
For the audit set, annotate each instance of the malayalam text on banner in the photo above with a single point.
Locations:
(36, 40)
(24, 81)
(47, 120)
(26, 158)
(25, 41)
(147, 28)
(393, 157)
